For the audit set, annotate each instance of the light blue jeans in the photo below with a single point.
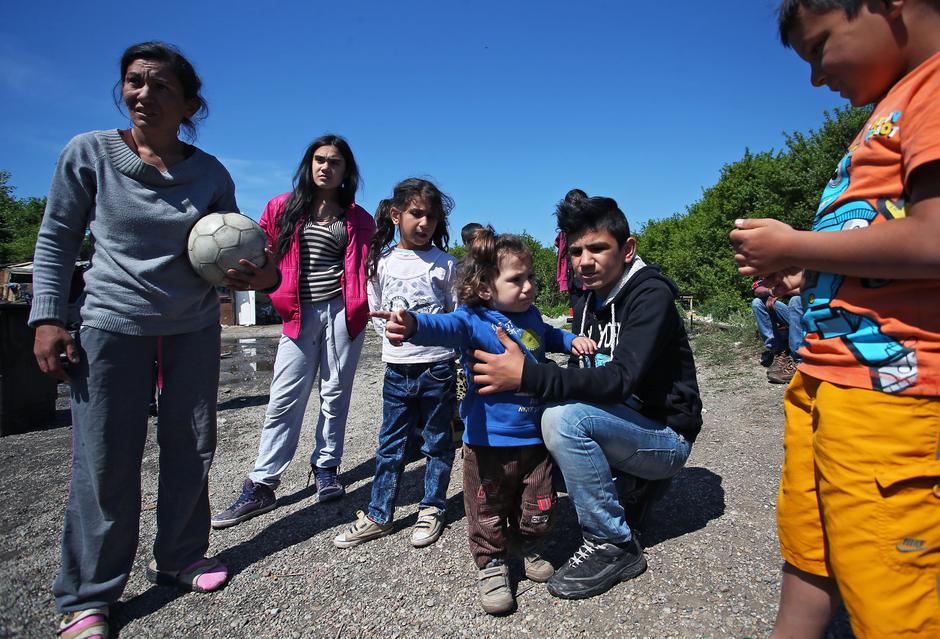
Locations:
(323, 345)
(587, 441)
(795, 322)
(767, 327)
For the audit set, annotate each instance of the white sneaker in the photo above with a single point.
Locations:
(428, 528)
(495, 592)
(537, 567)
(360, 531)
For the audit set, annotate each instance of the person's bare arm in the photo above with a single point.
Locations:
(902, 249)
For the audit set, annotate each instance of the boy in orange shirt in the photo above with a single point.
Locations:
(858, 511)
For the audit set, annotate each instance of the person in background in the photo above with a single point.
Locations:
(780, 327)
(138, 191)
(468, 231)
(568, 280)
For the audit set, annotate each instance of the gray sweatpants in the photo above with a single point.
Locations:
(110, 398)
(323, 346)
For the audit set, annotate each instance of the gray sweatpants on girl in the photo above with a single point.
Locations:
(110, 399)
(323, 345)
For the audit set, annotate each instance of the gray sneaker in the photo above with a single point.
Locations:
(361, 531)
(495, 594)
(254, 500)
(428, 528)
(537, 567)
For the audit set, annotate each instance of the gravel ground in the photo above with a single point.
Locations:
(710, 543)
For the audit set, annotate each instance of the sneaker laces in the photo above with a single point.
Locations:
(325, 476)
(248, 495)
(587, 549)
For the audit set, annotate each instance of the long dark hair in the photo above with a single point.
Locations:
(177, 63)
(481, 266)
(304, 196)
(404, 192)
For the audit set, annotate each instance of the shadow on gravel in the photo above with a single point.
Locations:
(63, 417)
(144, 604)
(695, 498)
(300, 526)
(244, 401)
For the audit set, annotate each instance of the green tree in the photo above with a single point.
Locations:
(550, 301)
(19, 223)
(693, 248)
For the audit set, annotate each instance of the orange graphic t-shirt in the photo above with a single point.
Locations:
(868, 333)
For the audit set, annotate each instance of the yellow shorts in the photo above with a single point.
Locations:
(859, 502)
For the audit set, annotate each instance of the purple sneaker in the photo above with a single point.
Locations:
(328, 486)
(254, 500)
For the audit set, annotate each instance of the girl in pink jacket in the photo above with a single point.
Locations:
(321, 240)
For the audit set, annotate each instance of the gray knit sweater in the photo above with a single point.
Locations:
(139, 281)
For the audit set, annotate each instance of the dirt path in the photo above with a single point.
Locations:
(711, 545)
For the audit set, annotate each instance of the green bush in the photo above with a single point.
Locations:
(693, 248)
(550, 301)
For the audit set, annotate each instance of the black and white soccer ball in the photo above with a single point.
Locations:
(219, 240)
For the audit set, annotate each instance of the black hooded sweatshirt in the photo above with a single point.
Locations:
(651, 365)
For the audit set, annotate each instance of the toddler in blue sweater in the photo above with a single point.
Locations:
(507, 472)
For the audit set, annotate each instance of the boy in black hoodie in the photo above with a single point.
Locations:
(635, 408)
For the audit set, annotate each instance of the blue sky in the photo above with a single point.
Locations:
(505, 105)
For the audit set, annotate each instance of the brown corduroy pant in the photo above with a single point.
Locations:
(506, 487)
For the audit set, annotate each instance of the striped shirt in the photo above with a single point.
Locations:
(322, 253)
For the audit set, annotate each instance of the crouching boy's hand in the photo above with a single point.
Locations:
(399, 325)
(583, 346)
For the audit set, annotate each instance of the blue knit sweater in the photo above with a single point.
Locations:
(500, 419)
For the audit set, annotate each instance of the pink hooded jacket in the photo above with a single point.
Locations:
(360, 227)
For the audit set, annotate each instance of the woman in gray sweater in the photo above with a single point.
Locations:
(138, 192)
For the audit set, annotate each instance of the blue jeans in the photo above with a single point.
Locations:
(766, 325)
(416, 398)
(587, 441)
(795, 321)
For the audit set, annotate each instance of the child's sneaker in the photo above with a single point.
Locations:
(428, 528)
(495, 593)
(254, 500)
(537, 567)
(361, 531)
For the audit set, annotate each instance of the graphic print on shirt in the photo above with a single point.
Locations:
(606, 339)
(892, 365)
(532, 348)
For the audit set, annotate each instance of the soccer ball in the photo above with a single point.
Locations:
(219, 240)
